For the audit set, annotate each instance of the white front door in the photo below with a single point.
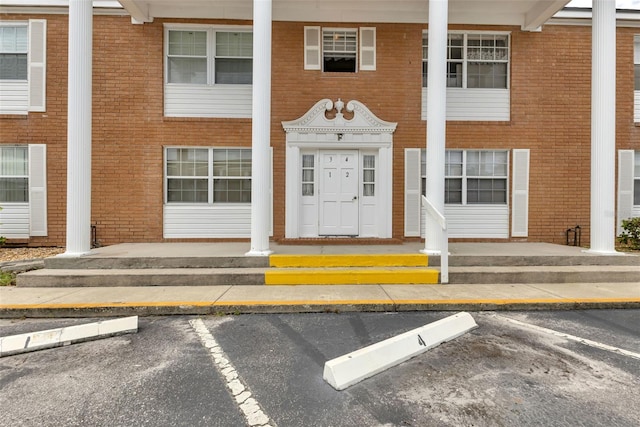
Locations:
(338, 193)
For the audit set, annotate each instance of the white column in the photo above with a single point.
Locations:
(261, 129)
(436, 118)
(79, 128)
(603, 126)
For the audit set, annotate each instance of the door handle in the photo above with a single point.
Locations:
(355, 197)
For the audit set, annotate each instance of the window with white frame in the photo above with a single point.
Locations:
(636, 179)
(308, 174)
(14, 44)
(636, 83)
(636, 61)
(23, 57)
(209, 55)
(368, 175)
(208, 175)
(474, 60)
(473, 177)
(340, 50)
(14, 174)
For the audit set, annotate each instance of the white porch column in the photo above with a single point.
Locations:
(261, 129)
(79, 128)
(603, 126)
(436, 118)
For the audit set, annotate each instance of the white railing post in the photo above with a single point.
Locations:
(439, 218)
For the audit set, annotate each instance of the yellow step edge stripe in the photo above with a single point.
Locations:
(349, 260)
(350, 277)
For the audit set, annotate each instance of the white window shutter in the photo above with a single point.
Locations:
(367, 48)
(412, 192)
(520, 197)
(312, 43)
(37, 190)
(37, 64)
(625, 186)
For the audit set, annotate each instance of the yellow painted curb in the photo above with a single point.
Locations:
(351, 277)
(349, 260)
(432, 302)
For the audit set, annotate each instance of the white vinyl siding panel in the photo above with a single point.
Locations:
(193, 221)
(413, 215)
(38, 190)
(14, 220)
(625, 187)
(474, 104)
(14, 97)
(225, 101)
(636, 104)
(520, 205)
(481, 222)
(37, 64)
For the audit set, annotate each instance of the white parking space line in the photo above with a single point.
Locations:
(584, 341)
(250, 407)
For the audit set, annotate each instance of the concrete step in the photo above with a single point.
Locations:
(141, 277)
(544, 274)
(334, 260)
(351, 276)
(535, 260)
(105, 277)
(348, 260)
(114, 262)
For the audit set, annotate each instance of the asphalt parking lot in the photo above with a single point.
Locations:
(500, 374)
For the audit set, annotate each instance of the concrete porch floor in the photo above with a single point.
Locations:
(228, 249)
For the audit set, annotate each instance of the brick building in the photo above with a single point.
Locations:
(174, 90)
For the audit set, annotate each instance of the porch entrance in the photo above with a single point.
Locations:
(338, 193)
(338, 173)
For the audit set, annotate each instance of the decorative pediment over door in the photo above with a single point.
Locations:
(361, 121)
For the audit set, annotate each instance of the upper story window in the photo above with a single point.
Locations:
(14, 43)
(473, 176)
(14, 174)
(474, 60)
(340, 50)
(23, 66)
(209, 55)
(636, 61)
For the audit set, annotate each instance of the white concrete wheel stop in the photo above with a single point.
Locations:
(59, 337)
(354, 367)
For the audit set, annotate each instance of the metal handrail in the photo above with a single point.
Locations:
(444, 249)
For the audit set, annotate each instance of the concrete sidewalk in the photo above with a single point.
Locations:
(161, 300)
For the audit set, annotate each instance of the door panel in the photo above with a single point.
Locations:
(339, 205)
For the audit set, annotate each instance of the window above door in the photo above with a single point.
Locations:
(340, 50)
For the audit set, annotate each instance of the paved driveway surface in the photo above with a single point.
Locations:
(500, 374)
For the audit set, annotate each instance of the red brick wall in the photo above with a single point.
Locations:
(550, 114)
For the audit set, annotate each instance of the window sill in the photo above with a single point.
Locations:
(14, 116)
(203, 119)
